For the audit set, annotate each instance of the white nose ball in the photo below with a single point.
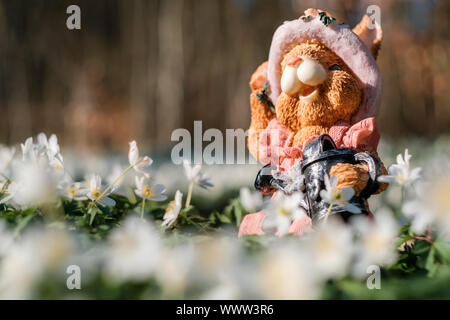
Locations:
(311, 73)
(290, 84)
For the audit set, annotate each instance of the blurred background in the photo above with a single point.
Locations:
(139, 69)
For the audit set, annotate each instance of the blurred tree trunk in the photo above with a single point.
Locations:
(170, 70)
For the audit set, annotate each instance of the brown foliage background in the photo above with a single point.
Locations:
(139, 69)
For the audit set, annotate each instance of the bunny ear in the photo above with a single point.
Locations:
(370, 32)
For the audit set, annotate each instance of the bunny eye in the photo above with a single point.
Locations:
(335, 67)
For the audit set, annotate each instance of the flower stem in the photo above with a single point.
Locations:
(143, 207)
(403, 190)
(329, 211)
(189, 195)
(114, 182)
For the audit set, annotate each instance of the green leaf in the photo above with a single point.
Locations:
(306, 18)
(430, 265)
(104, 227)
(264, 98)
(93, 213)
(442, 251)
(421, 247)
(23, 223)
(326, 20)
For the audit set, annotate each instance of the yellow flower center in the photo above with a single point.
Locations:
(324, 245)
(170, 206)
(97, 193)
(71, 191)
(148, 191)
(283, 211)
(401, 179)
(376, 243)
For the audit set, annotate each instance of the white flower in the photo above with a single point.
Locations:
(334, 196)
(227, 289)
(6, 156)
(140, 164)
(173, 269)
(331, 249)
(251, 201)
(54, 247)
(134, 250)
(20, 269)
(96, 191)
(145, 191)
(6, 239)
(377, 241)
(50, 146)
(281, 211)
(74, 190)
(28, 150)
(44, 152)
(285, 273)
(431, 205)
(173, 210)
(32, 184)
(10, 189)
(194, 174)
(400, 173)
(293, 179)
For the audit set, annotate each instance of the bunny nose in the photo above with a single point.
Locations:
(311, 72)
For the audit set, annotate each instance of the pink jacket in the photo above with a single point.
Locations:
(275, 141)
(274, 148)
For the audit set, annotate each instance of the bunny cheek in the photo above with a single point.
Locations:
(344, 95)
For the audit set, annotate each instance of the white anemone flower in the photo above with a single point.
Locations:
(20, 269)
(331, 249)
(134, 250)
(6, 239)
(74, 191)
(431, 205)
(293, 179)
(337, 197)
(251, 201)
(285, 273)
(195, 174)
(96, 192)
(376, 245)
(10, 189)
(226, 289)
(28, 150)
(174, 268)
(173, 210)
(32, 184)
(281, 212)
(6, 156)
(49, 146)
(148, 192)
(45, 152)
(140, 164)
(400, 173)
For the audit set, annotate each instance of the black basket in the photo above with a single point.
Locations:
(318, 157)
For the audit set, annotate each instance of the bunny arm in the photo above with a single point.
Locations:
(356, 175)
(261, 113)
